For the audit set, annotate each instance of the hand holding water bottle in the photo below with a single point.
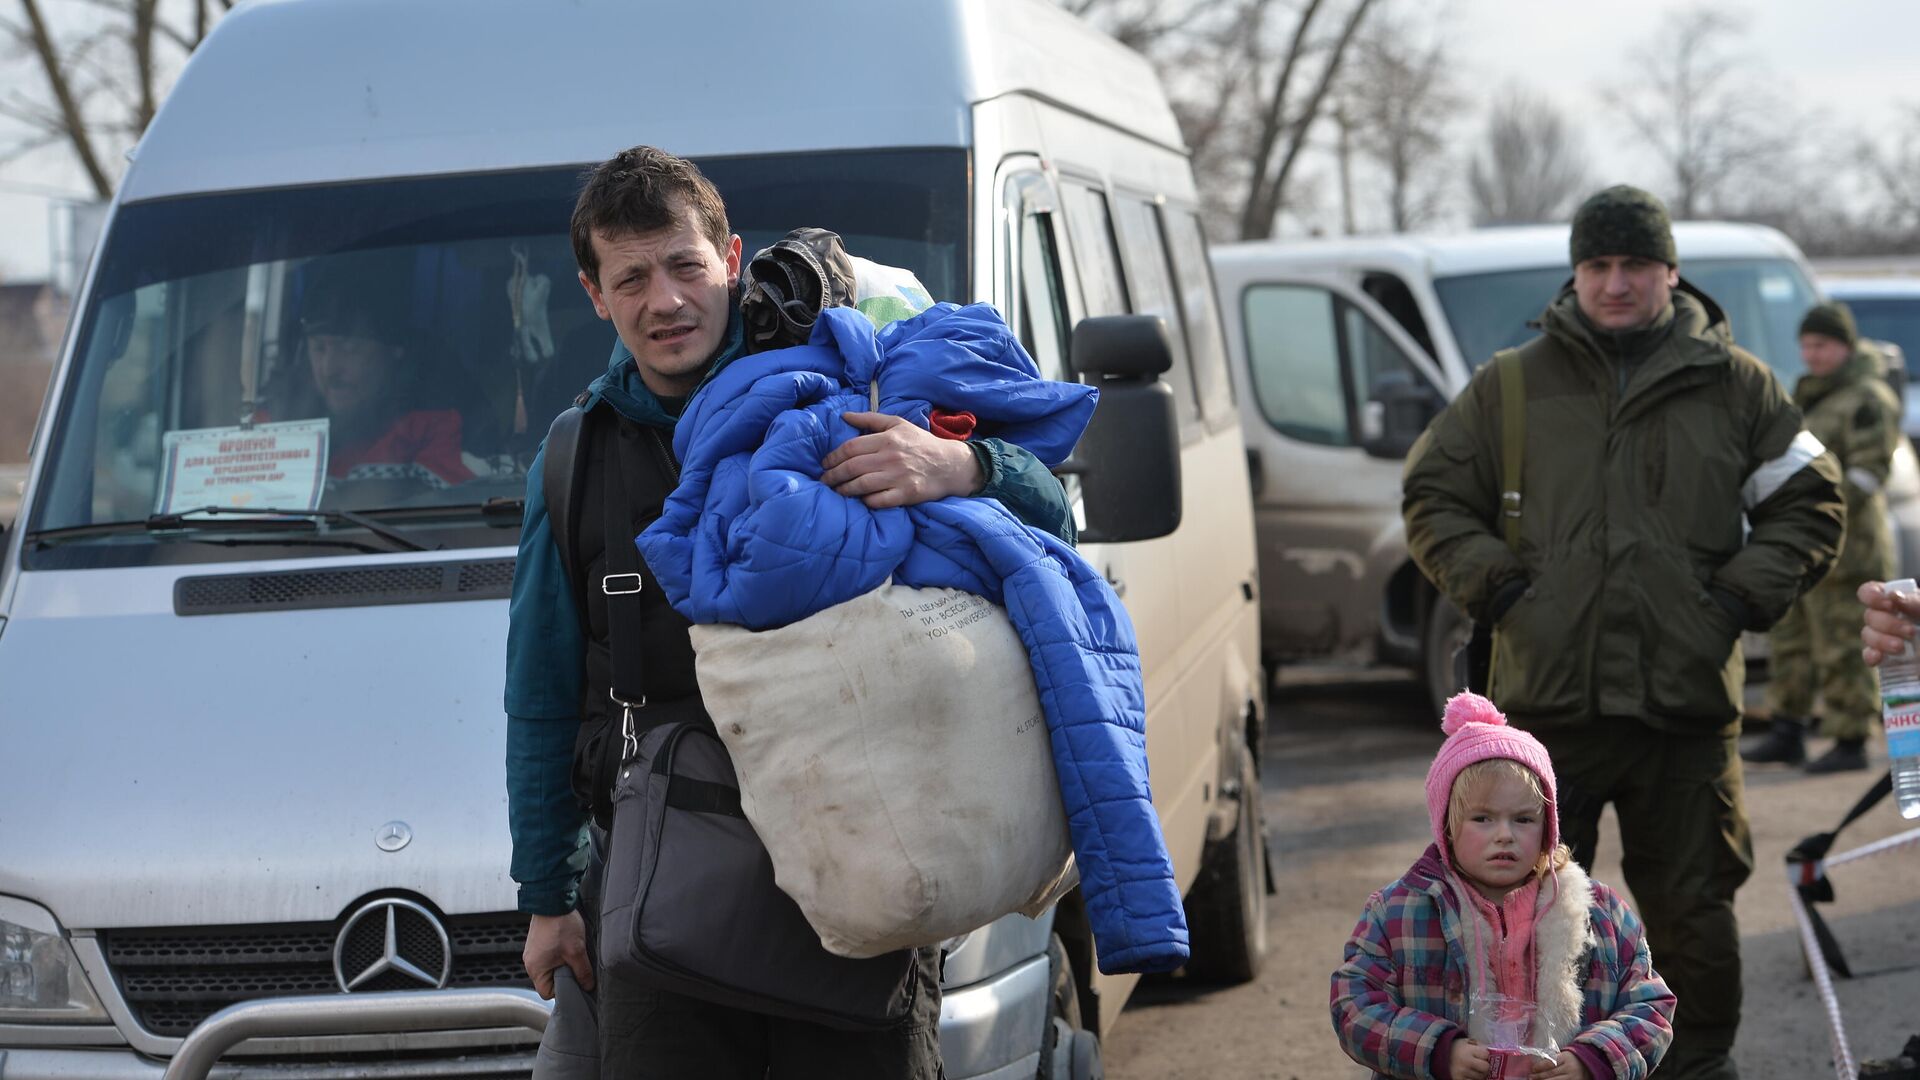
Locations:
(1889, 621)
(1887, 637)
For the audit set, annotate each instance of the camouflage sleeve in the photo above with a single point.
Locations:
(1872, 434)
(1451, 500)
(1792, 499)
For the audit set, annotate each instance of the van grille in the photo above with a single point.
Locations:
(174, 978)
(368, 586)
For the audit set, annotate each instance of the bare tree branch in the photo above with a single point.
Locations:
(34, 116)
(29, 146)
(76, 124)
(1278, 185)
(175, 35)
(1691, 105)
(1400, 97)
(1894, 171)
(142, 40)
(1532, 164)
(1256, 215)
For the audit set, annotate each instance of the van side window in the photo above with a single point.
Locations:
(1372, 354)
(1095, 255)
(1150, 281)
(1293, 344)
(1043, 309)
(1205, 341)
(1393, 296)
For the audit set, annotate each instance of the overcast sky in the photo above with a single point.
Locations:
(1852, 60)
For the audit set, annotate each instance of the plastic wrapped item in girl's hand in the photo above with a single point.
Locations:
(1505, 1023)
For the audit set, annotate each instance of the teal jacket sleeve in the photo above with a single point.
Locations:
(545, 672)
(1024, 486)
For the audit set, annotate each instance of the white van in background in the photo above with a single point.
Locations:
(238, 749)
(1348, 348)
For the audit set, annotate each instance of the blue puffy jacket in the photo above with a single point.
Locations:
(750, 536)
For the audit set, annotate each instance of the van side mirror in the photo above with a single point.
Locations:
(1128, 459)
(1398, 409)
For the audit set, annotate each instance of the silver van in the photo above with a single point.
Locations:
(1348, 347)
(252, 801)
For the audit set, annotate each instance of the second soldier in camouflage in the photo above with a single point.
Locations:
(1816, 649)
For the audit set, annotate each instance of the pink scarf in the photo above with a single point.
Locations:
(1509, 956)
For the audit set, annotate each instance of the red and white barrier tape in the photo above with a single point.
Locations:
(1843, 1063)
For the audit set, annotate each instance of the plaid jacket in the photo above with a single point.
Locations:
(1404, 984)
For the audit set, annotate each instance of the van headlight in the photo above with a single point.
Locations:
(40, 978)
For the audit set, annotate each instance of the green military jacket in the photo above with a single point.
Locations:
(1855, 414)
(1636, 573)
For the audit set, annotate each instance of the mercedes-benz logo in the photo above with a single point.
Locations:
(392, 944)
(393, 836)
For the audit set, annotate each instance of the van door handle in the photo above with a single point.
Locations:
(1256, 471)
(1118, 585)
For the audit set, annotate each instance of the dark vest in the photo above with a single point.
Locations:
(667, 674)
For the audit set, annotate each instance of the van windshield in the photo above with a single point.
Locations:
(1763, 298)
(397, 346)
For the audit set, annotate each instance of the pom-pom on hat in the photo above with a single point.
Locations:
(1476, 731)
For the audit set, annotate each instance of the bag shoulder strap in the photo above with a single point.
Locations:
(1513, 441)
(563, 474)
(639, 452)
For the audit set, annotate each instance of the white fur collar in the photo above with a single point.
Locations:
(1562, 936)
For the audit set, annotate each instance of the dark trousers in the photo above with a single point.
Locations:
(633, 1032)
(648, 1034)
(1685, 850)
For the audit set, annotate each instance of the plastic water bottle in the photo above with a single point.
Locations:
(1900, 711)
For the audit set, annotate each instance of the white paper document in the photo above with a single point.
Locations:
(281, 465)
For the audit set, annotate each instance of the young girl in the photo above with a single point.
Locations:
(1495, 906)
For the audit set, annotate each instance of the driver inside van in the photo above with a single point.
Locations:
(355, 340)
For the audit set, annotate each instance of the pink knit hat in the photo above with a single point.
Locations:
(1475, 732)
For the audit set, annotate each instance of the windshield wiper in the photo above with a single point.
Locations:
(46, 538)
(499, 510)
(203, 518)
(188, 519)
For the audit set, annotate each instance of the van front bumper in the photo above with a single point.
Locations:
(990, 1030)
(318, 1015)
(993, 1029)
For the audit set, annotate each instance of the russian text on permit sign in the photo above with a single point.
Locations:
(281, 465)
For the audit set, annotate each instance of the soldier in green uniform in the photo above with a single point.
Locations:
(1617, 576)
(1851, 409)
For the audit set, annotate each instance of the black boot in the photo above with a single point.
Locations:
(1785, 744)
(1847, 755)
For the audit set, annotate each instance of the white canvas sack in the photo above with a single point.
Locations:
(893, 756)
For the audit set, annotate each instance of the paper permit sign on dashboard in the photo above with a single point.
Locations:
(281, 465)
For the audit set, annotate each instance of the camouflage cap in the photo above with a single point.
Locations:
(1623, 220)
(1832, 319)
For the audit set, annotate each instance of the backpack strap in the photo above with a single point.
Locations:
(640, 453)
(563, 475)
(1513, 441)
(625, 579)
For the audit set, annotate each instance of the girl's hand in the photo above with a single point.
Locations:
(1567, 1066)
(1469, 1060)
